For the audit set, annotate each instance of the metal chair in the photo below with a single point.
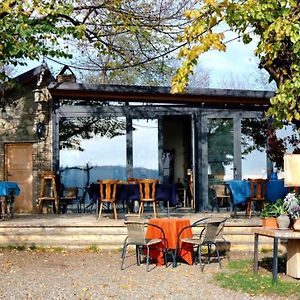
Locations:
(208, 236)
(258, 190)
(147, 189)
(108, 190)
(221, 195)
(136, 231)
(69, 197)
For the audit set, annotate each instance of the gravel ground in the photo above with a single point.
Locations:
(97, 275)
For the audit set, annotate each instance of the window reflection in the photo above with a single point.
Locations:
(220, 149)
(145, 148)
(254, 138)
(105, 155)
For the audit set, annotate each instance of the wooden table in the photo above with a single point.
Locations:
(171, 227)
(293, 249)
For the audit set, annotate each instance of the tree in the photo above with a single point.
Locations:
(129, 33)
(276, 24)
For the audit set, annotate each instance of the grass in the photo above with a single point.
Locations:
(240, 277)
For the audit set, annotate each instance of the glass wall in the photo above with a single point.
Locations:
(220, 149)
(104, 157)
(253, 144)
(145, 148)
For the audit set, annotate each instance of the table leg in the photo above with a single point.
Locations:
(255, 269)
(275, 259)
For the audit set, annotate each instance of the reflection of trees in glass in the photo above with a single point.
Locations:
(220, 145)
(254, 135)
(73, 130)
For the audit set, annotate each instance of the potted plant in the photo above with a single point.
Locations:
(269, 215)
(283, 219)
(291, 203)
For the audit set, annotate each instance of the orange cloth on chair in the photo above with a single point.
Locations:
(171, 228)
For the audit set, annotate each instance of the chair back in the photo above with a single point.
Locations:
(133, 217)
(136, 232)
(70, 193)
(221, 190)
(258, 189)
(147, 188)
(131, 180)
(108, 189)
(213, 230)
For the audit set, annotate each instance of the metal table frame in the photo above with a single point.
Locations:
(276, 234)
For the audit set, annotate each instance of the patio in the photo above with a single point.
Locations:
(74, 230)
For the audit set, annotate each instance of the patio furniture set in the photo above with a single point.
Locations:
(174, 238)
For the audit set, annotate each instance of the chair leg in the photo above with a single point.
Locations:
(200, 258)
(249, 208)
(123, 253)
(100, 210)
(140, 208)
(175, 256)
(154, 208)
(208, 253)
(115, 210)
(137, 253)
(148, 258)
(218, 255)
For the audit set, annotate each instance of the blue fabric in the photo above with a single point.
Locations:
(240, 190)
(276, 190)
(7, 186)
(166, 192)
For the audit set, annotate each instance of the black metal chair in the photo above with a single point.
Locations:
(69, 197)
(210, 235)
(136, 231)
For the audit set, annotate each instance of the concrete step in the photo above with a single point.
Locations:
(106, 236)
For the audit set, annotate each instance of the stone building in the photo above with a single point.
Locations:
(26, 134)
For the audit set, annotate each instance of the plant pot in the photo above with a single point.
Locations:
(269, 222)
(283, 221)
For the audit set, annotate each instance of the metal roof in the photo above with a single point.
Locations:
(155, 94)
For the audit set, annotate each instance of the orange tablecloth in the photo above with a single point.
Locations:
(171, 228)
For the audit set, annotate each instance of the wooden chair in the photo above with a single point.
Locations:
(147, 189)
(108, 190)
(258, 190)
(48, 192)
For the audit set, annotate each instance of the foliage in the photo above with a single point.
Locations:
(291, 203)
(29, 29)
(240, 277)
(274, 23)
(273, 209)
(115, 35)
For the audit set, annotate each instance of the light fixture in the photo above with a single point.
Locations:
(40, 129)
(37, 94)
(292, 170)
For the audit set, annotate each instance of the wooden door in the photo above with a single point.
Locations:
(18, 162)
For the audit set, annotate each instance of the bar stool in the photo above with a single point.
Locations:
(48, 192)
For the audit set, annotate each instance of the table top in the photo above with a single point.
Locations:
(277, 233)
(6, 186)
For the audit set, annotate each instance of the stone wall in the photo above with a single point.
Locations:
(19, 126)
